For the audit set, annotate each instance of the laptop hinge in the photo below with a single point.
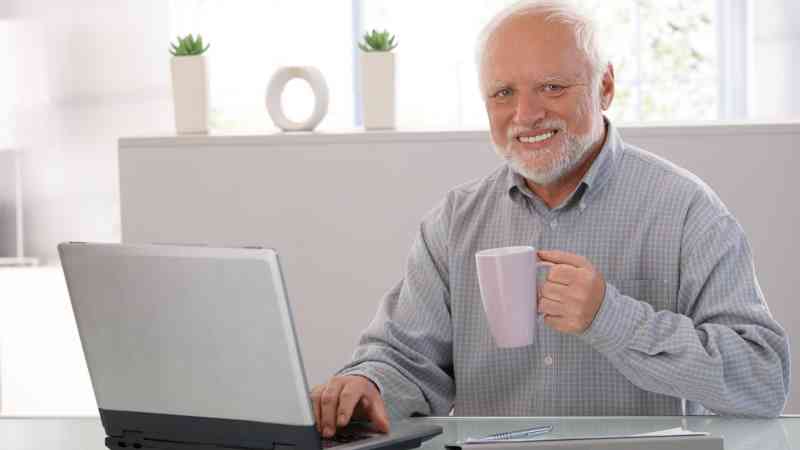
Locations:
(130, 439)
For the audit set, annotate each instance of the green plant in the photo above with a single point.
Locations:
(376, 41)
(188, 46)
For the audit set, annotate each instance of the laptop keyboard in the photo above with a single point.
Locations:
(347, 435)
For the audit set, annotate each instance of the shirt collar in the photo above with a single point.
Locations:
(603, 165)
(599, 172)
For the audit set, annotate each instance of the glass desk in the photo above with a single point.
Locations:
(45, 433)
(738, 434)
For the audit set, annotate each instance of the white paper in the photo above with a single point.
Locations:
(678, 431)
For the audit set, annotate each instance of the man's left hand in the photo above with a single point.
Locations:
(572, 293)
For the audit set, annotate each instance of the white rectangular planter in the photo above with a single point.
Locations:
(190, 94)
(378, 89)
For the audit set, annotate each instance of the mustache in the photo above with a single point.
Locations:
(516, 130)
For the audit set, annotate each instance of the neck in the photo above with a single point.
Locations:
(555, 193)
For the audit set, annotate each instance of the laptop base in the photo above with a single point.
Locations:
(128, 443)
(129, 430)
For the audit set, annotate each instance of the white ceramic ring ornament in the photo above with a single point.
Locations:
(275, 89)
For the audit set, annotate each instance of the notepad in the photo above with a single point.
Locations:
(677, 431)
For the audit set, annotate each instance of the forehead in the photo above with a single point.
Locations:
(529, 48)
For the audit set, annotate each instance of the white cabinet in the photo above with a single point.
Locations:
(342, 209)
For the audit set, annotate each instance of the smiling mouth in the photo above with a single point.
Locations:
(536, 138)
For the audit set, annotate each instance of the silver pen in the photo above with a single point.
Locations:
(511, 435)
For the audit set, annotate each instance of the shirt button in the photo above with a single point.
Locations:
(554, 224)
(548, 360)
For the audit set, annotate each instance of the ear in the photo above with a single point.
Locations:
(607, 87)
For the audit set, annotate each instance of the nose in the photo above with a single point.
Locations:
(529, 108)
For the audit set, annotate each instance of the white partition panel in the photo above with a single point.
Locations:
(342, 209)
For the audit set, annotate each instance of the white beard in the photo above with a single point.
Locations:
(550, 164)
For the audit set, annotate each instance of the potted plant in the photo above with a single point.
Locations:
(190, 85)
(378, 79)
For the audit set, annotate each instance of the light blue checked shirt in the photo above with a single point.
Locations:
(683, 327)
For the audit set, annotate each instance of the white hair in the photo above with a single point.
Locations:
(558, 11)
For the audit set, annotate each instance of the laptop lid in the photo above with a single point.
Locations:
(194, 343)
(195, 347)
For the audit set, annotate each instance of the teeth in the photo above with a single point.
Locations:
(539, 138)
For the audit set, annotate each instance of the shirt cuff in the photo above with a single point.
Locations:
(615, 323)
(364, 371)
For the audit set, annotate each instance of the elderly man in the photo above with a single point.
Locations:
(651, 306)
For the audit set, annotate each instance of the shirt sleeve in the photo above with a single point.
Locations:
(407, 348)
(721, 348)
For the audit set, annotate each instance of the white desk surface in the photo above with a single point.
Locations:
(46, 433)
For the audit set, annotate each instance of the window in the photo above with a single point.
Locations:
(664, 54)
(675, 60)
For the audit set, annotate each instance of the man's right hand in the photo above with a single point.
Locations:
(348, 397)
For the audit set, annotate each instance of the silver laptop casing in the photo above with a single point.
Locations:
(204, 309)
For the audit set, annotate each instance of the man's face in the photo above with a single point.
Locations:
(544, 114)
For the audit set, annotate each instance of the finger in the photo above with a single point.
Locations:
(554, 291)
(316, 403)
(330, 405)
(554, 322)
(376, 411)
(351, 394)
(550, 307)
(561, 257)
(562, 274)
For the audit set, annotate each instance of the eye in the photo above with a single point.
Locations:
(552, 89)
(504, 92)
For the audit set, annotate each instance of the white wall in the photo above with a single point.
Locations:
(342, 209)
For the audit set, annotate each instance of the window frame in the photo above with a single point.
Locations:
(735, 50)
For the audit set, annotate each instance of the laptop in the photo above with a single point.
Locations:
(194, 347)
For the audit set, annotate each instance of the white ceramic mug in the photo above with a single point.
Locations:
(507, 278)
